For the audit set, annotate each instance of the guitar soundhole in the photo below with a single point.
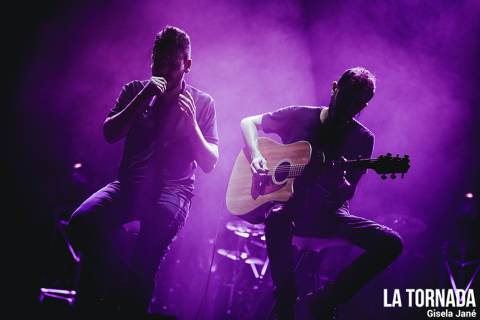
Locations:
(281, 172)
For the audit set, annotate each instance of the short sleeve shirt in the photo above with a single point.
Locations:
(157, 147)
(296, 123)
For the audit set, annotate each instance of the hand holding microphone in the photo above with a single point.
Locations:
(157, 86)
(160, 84)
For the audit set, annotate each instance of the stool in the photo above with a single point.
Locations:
(122, 238)
(462, 263)
(67, 295)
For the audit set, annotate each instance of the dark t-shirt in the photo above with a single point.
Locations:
(295, 123)
(157, 151)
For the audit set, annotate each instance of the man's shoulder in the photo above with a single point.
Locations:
(362, 129)
(135, 85)
(298, 108)
(296, 111)
(199, 94)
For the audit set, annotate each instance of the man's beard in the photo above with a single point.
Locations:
(336, 118)
(172, 84)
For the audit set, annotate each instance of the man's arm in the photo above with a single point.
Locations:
(346, 189)
(205, 153)
(344, 184)
(250, 127)
(117, 126)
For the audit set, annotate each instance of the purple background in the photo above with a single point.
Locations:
(70, 60)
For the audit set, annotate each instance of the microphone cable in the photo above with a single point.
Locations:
(204, 297)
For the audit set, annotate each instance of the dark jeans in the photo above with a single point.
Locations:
(381, 245)
(113, 205)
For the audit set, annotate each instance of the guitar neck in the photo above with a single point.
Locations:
(356, 164)
(297, 170)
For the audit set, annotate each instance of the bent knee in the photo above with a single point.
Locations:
(80, 230)
(76, 223)
(394, 244)
(277, 220)
(74, 230)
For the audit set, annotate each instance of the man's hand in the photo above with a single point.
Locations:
(334, 175)
(116, 127)
(258, 165)
(187, 105)
(250, 127)
(157, 85)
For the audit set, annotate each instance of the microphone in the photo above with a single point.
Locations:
(155, 97)
(152, 101)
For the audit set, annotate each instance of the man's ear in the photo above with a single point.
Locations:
(334, 87)
(188, 65)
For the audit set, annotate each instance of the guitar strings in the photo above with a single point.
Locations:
(298, 168)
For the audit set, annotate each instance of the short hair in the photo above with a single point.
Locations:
(172, 38)
(361, 81)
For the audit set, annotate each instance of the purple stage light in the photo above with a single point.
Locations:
(469, 195)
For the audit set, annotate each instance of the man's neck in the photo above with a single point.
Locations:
(326, 119)
(175, 91)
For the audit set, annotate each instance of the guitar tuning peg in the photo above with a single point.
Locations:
(383, 176)
(393, 176)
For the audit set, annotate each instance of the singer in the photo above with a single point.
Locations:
(169, 129)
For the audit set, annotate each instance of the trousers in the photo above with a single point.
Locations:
(381, 244)
(161, 217)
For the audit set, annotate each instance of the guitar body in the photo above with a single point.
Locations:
(249, 198)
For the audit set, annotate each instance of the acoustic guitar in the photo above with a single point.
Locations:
(249, 196)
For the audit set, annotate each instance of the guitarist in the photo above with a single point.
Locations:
(319, 206)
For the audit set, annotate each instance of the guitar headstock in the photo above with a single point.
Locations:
(390, 165)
